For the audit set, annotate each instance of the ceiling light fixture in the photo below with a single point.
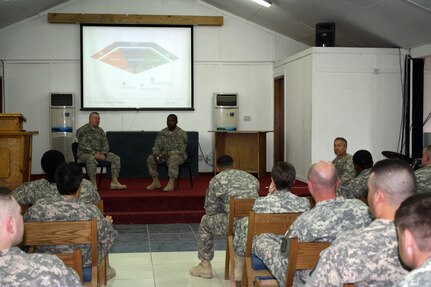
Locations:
(265, 3)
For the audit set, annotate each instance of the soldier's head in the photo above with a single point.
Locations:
(426, 156)
(413, 222)
(50, 161)
(391, 181)
(68, 178)
(11, 222)
(224, 162)
(340, 146)
(322, 181)
(362, 159)
(94, 119)
(283, 175)
(172, 121)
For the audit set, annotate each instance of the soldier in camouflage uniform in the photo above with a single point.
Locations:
(278, 200)
(368, 256)
(423, 174)
(228, 183)
(358, 187)
(170, 147)
(343, 161)
(330, 217)
(413, 222)
(32, 191)
(69, 208)
(21, 269)
(93, 146)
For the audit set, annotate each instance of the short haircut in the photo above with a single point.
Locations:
(50, 161)
(363, 158)
(93, 113)
(320, 176)
(341, 139)
(395, 178)
(414, 214)
(283, 174)
(68, 177)
(427, 150)
(174, 116)
(8, 203)
(224, 161)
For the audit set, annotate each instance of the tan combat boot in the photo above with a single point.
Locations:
(115, 184)
(155, 184)
(203, 270)
(170, 185)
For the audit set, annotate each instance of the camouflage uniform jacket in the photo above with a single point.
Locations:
(357, 187)
(323, 223)
(366, 257)
(21, 269)
(65, 209)
(91, 140)
(32, 191)
(230, 182)
(172, 142)
(423, 179)
(419, 277)
(281, 201)
(345, 168)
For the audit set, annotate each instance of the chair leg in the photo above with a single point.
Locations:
(179, 176)
(190, 175)
(100, 176)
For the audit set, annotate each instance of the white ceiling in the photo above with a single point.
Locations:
(359, 23)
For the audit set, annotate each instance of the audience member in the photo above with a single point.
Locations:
(68, 177)
(278, 200)
(32, 191)
(330, 217)
(368, 256)
(413, 222)
(228, 183)
(358, 187)
(170, 147)
(423, 174)
(93, 147)
(21, 269)
(343, 161)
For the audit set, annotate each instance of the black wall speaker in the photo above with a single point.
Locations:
(325, 34)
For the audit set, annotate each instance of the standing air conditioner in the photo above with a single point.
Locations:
(225, 112)
(62, 122)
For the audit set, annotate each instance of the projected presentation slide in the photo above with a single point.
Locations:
(137, 67)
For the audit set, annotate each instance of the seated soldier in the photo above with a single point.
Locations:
(68, 207)
(32, 191)
(21, 269)
(368, 256)
(423, 174)
(278, 200)
(330, 217)
(413, 222)
(357, 187)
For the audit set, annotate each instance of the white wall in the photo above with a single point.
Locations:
(349, 92)
(237, 57)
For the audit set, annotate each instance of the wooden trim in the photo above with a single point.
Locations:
(75, 18)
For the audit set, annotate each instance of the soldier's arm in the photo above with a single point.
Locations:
(105, 143)
(157, 148)
(212, 203)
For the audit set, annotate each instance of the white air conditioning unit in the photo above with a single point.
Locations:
(226, 111)
(62, 123)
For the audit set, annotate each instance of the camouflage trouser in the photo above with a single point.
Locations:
(173, 162)
(240, 236)
(91, 164)
(267, 248)
(211, 226)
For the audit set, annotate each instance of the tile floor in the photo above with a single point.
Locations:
(161, 255)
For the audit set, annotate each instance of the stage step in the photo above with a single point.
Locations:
(157, 217)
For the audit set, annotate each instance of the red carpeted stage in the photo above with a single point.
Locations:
(184, 205)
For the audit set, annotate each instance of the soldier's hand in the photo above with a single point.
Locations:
(109, 219)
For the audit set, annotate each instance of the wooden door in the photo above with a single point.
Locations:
(279, 119)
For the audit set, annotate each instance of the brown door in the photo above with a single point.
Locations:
(278, 119)
(1, 95)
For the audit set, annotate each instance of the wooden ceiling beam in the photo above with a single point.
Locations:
(76, 18)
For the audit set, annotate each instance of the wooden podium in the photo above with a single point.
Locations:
(15, 151)
(247, 148)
